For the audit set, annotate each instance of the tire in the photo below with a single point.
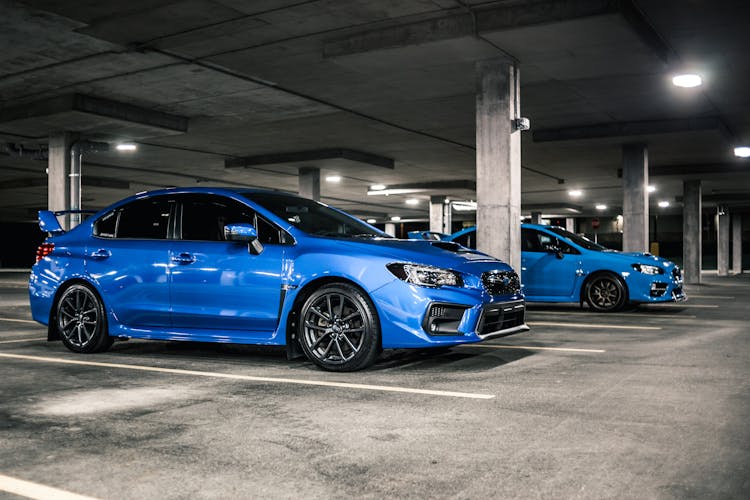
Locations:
(339, 328)
(605, 292)
(81, 321)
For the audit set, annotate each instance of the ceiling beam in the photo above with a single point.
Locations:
(311, 156)
(487, 20)
(96, 106)
(627, 129)
(89, 181)
(693, 169)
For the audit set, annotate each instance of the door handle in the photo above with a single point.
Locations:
(102, 253)
(183, 258)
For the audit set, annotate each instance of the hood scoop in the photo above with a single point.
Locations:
(448, 245)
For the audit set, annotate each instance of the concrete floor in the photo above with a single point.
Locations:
(655, 404)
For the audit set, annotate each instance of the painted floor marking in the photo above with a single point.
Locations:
(38, 491)
(703, 306)
(22, 340)
(250, 378)
(531, 312)
(533, 348)
(698, 296)
(14, 320)
(591, 325)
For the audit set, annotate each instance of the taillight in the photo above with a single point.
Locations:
(44, 250)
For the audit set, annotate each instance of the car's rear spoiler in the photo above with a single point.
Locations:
(49, 223)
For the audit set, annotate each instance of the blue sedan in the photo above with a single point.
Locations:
(263, 267)
(560, 266)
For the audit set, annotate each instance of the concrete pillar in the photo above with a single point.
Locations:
(390, 228)
(309, 183)
(536, 217)
(436, 213)
(498, 161)
(635, 198)
(570, 224)
(58, 174)
(737, 243)
(448, 218)
(692, 235)
(722, 241)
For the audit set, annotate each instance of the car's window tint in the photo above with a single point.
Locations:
(106, 226)
(205, 216)
(538, 241)
(467, 240)
(312, 217)
(530, 241)
(144, 219)
(578, 240)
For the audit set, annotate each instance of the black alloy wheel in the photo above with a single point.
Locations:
(338, 328)
(81, 320)
(605, 293)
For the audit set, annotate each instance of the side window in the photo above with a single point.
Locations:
(144, 219)
(106, 226)
(565, 248)
(204, 218)
(530, 241)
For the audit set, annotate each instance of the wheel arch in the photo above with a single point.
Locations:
(293, 349)
(52, 333)
(601, 272)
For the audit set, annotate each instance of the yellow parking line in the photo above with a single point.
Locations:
(34, 490)
(591, 325)
(249, 378)
(533, 348)
(22, 340)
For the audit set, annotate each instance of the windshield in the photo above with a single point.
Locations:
(578, 240)
(313, 217)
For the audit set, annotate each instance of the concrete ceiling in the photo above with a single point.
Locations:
(393, 79)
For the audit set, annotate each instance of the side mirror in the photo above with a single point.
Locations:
(246, 233)
(553, 249)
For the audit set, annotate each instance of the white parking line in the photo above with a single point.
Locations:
(14, 320)
(703, 306)
(721, 297)
(591, 325)
(39, 491)
(249, 378)
(22, 340)
(533, 348)
(531, 312)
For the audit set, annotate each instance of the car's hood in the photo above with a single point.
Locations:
(433, 253)
(641, 258)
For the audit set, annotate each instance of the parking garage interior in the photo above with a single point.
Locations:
(625, 121)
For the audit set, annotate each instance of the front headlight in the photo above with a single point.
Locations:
(425, 275)
(646, 269)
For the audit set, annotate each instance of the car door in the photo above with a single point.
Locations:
(128, 258)
(544, 272)
(218, 284)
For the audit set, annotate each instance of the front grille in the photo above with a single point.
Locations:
(677, 273)
(658, 289)
(499, 317)
(501, 282)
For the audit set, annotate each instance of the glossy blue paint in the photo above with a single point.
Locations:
(229, 291)
(240, 232)
(548, 276)
(48, 222)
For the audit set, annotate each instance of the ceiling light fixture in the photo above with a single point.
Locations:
(575, 193)
(601, 206)
(412, 201)
(395, 218)
(651, 189)
(377, 187)
(664, 204)
(333, 178)
(126, 147)
(371, 221)
(742, 151)
(687, 80)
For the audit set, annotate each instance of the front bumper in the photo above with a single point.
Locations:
(656, 288)
(412, 316)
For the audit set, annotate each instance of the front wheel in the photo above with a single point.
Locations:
(81, 321)
(605, 293)
(338, 328)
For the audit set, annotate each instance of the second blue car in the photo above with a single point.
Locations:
(560, 266)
